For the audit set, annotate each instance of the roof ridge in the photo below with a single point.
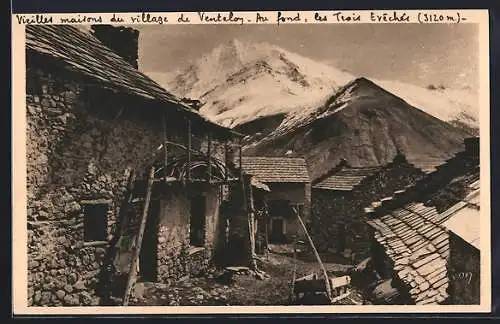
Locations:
(274, 169)
(87, 55)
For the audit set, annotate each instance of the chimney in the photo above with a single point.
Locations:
(472, 146)
(399, 158)
(124, 41)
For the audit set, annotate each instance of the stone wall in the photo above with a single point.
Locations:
(337, 212)
(464, 272)
(82, 144)
(176, 258)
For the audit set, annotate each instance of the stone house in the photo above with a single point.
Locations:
(103, 140)
(411, 231)
(289, 188)
(339, 198)
(463, 226)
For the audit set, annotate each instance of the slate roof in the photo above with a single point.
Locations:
(415, 237)
(276, 169)
(346, 178)
(81, 52)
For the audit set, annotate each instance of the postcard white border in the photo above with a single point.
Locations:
(19, 192)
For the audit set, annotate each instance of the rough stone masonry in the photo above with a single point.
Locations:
(82, 143)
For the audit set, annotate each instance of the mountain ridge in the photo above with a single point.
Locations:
(241, 81)
(366, 125)
(290, 105)
(218, 80)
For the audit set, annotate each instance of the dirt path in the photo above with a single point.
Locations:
(244, 289)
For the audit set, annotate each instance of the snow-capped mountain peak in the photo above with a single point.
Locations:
(240, 81)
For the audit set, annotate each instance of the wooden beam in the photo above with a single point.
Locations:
(240, 154)
(251, 222)
(184, 147)
(165, 143)
(266, 219)
(294, 272)
(246, 188)
(189, 149)
(209, 153)
(316, 254)
(138, 243)
(226, 160)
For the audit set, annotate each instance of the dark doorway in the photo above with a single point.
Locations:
(95, 222)
(277, 230)
(197, 221)
(148, 263)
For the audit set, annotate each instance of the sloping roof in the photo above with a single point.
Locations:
(81, 52)
(464, 217)
(276, 169)
(415, 237)
(419, 249)
(461, 169)
(346, 178)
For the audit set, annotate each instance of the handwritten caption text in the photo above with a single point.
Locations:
(240, 18)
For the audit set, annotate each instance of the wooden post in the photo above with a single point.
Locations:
(248, 205)
(251, 220)
(209, 152)
(240, 162)
(266, 220)
(138, 243)
(316, 254)
(189, 149)
(226, 160)
(165, 144)
(294, 273)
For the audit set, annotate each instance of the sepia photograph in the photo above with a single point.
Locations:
(254, 165)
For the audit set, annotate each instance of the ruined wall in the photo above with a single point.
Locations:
(77, 149)
(464, 272)
(337, 212)
(176, 258)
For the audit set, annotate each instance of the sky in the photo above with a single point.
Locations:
(420, 54)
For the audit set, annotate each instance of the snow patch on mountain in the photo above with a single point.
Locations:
(445, 104)
(239, 82)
